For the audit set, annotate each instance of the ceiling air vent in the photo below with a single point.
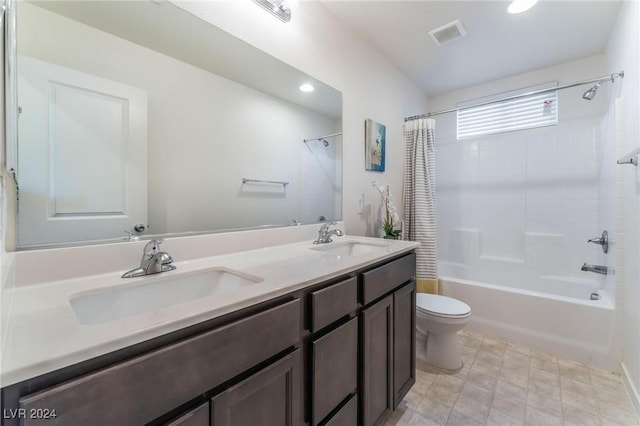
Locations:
(448, 33)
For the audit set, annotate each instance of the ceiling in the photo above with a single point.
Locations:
(497, 44)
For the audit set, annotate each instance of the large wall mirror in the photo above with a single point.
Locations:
(137, 112)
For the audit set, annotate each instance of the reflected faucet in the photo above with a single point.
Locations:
(324, 235)
(153, 261)
(598, 269)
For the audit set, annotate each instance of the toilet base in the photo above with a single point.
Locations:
(443, 351)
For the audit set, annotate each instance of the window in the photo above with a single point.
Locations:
(522, 113)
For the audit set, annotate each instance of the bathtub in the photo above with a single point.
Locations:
(558, 317)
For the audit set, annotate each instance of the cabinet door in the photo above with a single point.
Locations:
(199, 416)
(270, 397)
(334, 362)
(404, 341)
(377, 362)
(347, 415)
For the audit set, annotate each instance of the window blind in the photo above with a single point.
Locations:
(505, 116)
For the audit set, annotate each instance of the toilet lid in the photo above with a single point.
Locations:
(441, 305)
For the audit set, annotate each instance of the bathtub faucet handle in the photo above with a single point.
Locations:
(603, 241)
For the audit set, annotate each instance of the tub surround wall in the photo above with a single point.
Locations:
(523, 204)
(516, 210)
(623, 53)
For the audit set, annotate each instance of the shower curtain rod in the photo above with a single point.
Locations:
(522, 95)
(322, 137)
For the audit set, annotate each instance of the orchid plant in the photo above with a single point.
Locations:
(391, 217)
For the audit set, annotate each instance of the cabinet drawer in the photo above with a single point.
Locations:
(348, 414)
(332, 303)
(334, 363)
(141, 389)
(381, 280)
(197, 417)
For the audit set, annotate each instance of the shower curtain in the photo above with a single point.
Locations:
(419, 200)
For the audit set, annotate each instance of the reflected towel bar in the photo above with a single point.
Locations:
(276, 182)
(630, 158)
(322, 137)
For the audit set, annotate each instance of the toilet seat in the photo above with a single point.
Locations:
(441, 306)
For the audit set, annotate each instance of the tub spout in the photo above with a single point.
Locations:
(598, 269)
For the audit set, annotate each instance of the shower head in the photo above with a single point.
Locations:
(324, 142)
(591, 93)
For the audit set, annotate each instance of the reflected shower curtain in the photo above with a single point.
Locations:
(419, 200)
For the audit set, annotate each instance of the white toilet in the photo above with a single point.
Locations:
(438, 320)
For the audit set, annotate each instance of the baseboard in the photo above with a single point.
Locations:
(634, 395)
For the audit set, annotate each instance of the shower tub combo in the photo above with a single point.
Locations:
(517, 212)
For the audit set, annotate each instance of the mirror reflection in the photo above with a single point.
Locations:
(139, 117)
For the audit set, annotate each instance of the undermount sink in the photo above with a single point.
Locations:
(341, 249)
(152, 293)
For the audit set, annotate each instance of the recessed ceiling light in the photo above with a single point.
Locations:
(307, 88)
(519, 6)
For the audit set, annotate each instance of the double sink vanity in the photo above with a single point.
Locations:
(291, 334)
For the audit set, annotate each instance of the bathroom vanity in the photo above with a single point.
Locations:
(333, 344)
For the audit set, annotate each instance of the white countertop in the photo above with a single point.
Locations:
(43, 334)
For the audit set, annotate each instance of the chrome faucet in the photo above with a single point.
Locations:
(598, 269)
(324, 235)
(153, 261)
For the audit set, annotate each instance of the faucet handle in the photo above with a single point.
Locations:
(325, 226)
(152, 247)
(602, 240)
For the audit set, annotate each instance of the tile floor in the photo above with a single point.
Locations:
(505, 384)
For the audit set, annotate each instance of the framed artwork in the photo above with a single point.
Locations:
(374, 141)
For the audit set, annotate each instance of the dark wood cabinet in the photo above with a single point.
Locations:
(334, 361)
(332, 303)
(347, 415)
(198, 416)
(270, 397)
(385, 278)
(338, 353)
(388, 363)
(377, 362)
(404, 341)
(189, 368)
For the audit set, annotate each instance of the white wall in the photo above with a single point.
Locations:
(623, 54)
(206, 133)
(318, 44)
(528, 198)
